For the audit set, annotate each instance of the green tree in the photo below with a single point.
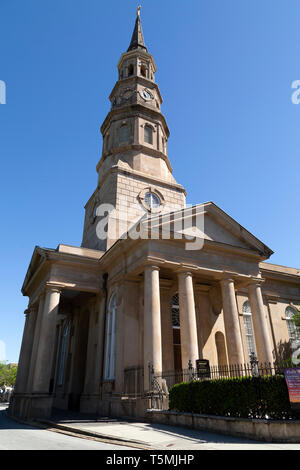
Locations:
(7, 374)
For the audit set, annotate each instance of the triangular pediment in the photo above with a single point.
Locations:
(207, 222)
(37, 259)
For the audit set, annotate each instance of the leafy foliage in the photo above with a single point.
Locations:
(244, 397)
(296, 318)
(7, 374)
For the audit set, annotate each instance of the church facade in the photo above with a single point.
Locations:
(149, 287)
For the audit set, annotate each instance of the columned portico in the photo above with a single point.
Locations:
(188, 325)
(262, 336)
(26, 350)
(231, 321)
(44, 360)
(152, 323)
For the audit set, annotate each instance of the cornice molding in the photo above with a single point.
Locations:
(135, 109)
(129, 147)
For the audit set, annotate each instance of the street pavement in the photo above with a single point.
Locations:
(162, 437)
(16, 436)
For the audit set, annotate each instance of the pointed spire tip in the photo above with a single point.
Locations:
(137, 40)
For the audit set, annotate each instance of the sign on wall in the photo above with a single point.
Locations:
(203, 369)
(292, 377)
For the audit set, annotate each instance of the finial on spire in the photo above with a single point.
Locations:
(137, 40)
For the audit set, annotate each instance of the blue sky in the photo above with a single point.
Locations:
(225, 69)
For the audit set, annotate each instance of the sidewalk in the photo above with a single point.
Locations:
(143, 435)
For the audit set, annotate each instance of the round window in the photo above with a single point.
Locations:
(152, 200)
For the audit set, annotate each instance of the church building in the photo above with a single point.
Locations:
(150, 290)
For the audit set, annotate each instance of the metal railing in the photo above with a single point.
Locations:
(250, 369)
(134, 386)
(134, 382)
(161, 382)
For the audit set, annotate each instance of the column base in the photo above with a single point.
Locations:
(29, 406)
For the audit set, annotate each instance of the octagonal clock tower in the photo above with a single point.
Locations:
(134, 172)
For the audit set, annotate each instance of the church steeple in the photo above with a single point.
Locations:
(134, 162)
(137, 40)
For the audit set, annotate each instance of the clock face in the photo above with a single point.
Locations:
(152, 201)
(146, 95)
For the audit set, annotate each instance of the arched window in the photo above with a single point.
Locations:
(130, 70)
(248, 323)
(143, 71)
(124, 134)
(63, 353)
(294, 331)
(148, 134)
(175, 311)
(110, 339)
(176, 332)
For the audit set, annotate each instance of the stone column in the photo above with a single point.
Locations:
(152, 324)
(261, 332)
(232, 324)
(90, 356)
(35, 345)
(45, 356)
(26, 350)
(188, 324)
(100, 340)
(69, 386)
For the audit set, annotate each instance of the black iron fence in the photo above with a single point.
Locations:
(134, 382)
(161, 382)
(210, 372)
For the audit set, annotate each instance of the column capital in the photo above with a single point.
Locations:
(255, 281)
(151, 267)
(53, 288)
(184, 271)
(30, 309)
(226, 280)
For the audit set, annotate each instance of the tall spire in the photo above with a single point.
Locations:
(137, 40)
